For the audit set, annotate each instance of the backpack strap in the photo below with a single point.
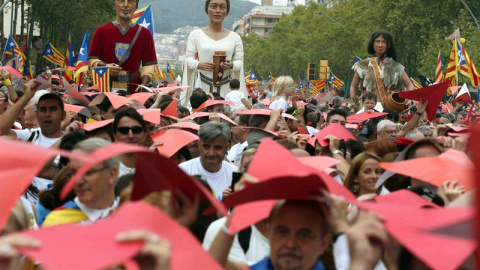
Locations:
(244, 238)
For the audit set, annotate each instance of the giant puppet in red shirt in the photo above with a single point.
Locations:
(111, 44)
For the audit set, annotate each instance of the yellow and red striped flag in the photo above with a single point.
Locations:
(416, 85)
(53, 55)
(439, 77)
(101, 76)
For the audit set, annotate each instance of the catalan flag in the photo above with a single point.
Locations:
(468, 68)
(101, 76)
(159, 74)
(82, 62)
(144, 17)
(439, 77)
(317, 86)
(335, 81)
(170, 71)
(69, 59)
(12, 48)
(416, 85)
(53, 55)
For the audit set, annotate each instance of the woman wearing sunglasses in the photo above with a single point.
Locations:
(283, 89)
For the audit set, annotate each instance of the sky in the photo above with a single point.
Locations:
(258, 2)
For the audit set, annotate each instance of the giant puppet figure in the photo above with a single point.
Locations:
(214, 55)
(124, 45)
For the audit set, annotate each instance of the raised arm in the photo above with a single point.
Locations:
(10, 115)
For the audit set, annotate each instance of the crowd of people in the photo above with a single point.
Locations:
(209, 177)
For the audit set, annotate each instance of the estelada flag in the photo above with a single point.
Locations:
(101, 76)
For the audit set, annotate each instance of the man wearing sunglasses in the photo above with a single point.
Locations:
(128, 127)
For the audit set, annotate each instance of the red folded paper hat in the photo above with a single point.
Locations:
(95, 87)
(274, 134)
(185, 125)
(170, 89)
(319, 162)
(211, 102)
(333, 129)
(78, 110)
(173, 140)
(153, 173)
(450, 165)
(206, 114)
(21, 161)
(150, 115)
(404, 141)
(116, 100)
(250, 213)
(171, 109)
(283, 177)
(12, 71)
(263, 112)
(98, 241)
(156, 173)
(406, 198)
(141, 97)
(463, 95)
(96, 125)
(362, 117)
(433, 93)
(454, 89)
(414, 227)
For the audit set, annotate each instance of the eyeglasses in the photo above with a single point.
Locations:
(389, 131)
(215, 6)
(134, 129)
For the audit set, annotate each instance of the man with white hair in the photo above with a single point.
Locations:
(387, 129)
(95, 190)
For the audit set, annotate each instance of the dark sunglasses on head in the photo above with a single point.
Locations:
(134, 129)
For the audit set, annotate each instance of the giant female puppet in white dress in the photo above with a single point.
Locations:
(201, 47)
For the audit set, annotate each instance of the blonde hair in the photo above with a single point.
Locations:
(279, 84)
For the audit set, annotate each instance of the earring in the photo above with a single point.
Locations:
(356, 188)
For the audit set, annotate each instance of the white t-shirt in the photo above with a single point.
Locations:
(341, 255)
(123, 170)
(218, 181)
(236, 97)
(39, 139)
(280, 103)
(258, 249)
(235, 153)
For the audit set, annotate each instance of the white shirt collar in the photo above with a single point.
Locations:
(97, 214)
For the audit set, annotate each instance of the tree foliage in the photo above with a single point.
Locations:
(311, 33)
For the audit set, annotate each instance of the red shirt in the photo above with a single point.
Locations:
(109, 43)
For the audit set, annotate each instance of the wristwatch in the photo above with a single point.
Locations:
(339, 152)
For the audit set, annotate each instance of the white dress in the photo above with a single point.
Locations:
(201, 45)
